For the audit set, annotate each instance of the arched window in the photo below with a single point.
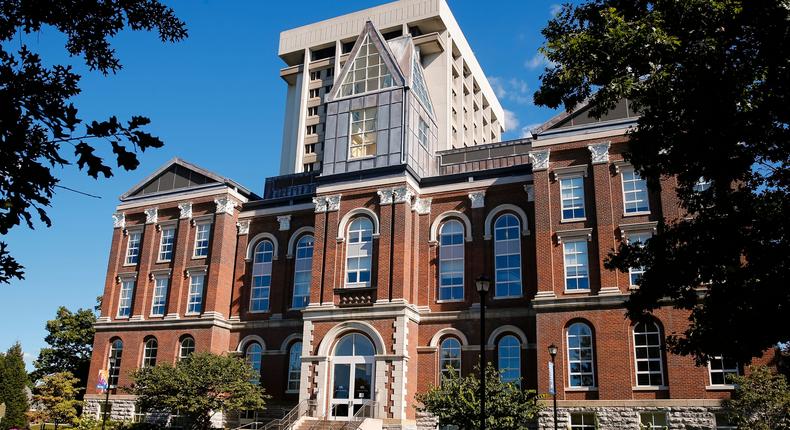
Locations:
(252, 354)
(359, 253)
(261, 276)
(451, 261)
(449, 358)
(303, 271)
(149, 352)
(507, 256)
(647, 350)
(509, 355)
(116, 352)
(186, 348)
(581, 371)
(294, 366)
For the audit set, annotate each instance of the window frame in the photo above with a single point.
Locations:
(502, 370)
(638, 182)
(357, 237)
(453, 287)
(150, 352)
(723, 370)
(198, 226)
(563, 200)
(580, 361)
(256, 365)
(261, 270)
(659, 360)
(304, 299)
(349, 85)
(636, 271)
(423, 130)
(156, 297)
(181, 354)
(443, 371)
(132, 281)
(171, 229)
(584, 425)
(200, 294)
(133, 259)
(293, 384)
(114, 360)
(363, 132)
(585, 266)
(652, 425)
(517, 239)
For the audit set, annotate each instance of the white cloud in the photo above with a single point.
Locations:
(511, 120)
(513, 89)
(526, 130)
(537, 61)
(555, 9)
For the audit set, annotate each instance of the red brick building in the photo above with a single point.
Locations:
(355, 285)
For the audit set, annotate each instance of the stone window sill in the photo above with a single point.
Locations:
(582, 389)
(650, 388)
(725, 387)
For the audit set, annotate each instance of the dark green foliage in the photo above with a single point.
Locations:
(13, 381)
(761, 401)
(198, 387)
(457, 402)
(39, 126)
(711, 79)
(70, 341)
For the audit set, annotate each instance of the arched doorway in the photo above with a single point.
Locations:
(353, 365)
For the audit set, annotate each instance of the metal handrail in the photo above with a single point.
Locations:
(301, 409)
(360, 416)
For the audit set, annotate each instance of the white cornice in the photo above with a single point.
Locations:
(180, 196)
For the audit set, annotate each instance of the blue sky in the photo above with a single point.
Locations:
(216, 100)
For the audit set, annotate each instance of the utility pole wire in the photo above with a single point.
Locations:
(78, 192)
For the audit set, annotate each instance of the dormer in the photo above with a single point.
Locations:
(379, 112)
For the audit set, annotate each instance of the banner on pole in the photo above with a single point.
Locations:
(551, 378)
(102, 382)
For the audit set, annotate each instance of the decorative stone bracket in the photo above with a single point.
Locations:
(389, 196)
(599, 152)
(285, 222)
(327, 203)
(119, 220)
(539, 159)
(478, 199)
(151, 215)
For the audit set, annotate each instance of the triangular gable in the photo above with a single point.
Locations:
(175, 175)
(370, 66)
(580, 116)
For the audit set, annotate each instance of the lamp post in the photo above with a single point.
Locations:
(111, 363)
(553, 354)
(482, 283)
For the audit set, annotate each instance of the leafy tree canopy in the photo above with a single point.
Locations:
(40, 128)
(13, 381)
(198, 387)
(56, 398)
(710, 79)
(761, 401)
(457, 402)
(70, 341)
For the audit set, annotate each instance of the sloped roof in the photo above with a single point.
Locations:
(178, 175)
(579, 116)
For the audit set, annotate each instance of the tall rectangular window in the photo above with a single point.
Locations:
(572, 198)
(647, 350)
(451, 261)
(639, 239)
(195, 302)
(202, 234)
(133, 247)
(363, 133)
(125, 298)
(166, 243)
(576, 265)
(422, 133)
(721, 370)
(634, 192)
(160, 297)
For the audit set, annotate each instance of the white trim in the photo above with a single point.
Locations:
(277, 210)
(301, 231)
(342, 225)
(570, 171)
(258, 237)
(450, 214)
(592, 357)
(214, 190)
(580, 233)
(250, 338)
(507, 329)
(449, 331)
(660, 358)
(338, 331)
(502, 208)
(289, 340)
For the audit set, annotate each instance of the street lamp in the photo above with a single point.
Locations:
(553, 353)
(482, 283)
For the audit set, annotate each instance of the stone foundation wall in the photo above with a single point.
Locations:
(121, 409)
(627, 418)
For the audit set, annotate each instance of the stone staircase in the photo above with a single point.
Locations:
(316, 424)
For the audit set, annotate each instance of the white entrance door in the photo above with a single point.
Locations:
(352, 376)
